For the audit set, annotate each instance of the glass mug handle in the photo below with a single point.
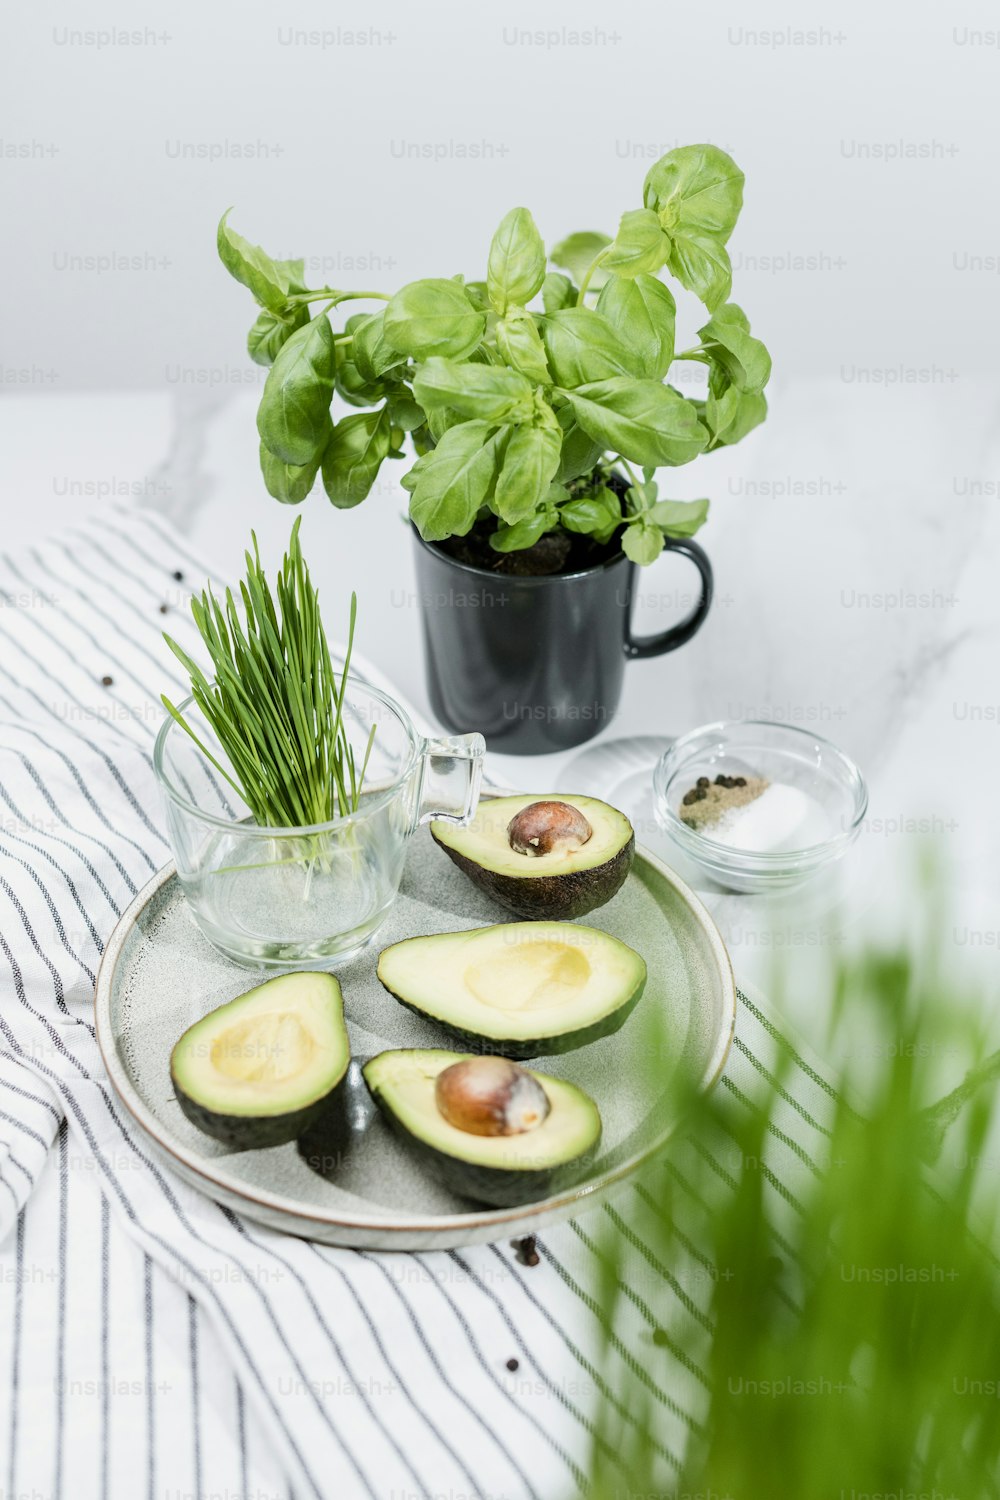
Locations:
(451, 771)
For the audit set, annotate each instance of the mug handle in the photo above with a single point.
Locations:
(451, 772)
(637, 647)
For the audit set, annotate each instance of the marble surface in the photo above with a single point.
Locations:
(855, 539)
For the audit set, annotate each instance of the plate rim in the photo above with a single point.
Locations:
(190, 1164)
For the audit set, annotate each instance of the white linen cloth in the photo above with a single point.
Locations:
(153, 1344)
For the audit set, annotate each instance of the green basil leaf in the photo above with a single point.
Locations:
(678, 517)
(516, 267)
(640, 419)
(643, 313)
(404, 411)
(451, 482)
(293, 416)
(695, 189)
(557, 292)
(271, 332)
(577, 252)
(598, 515)
(371, 351)
(642, 543)
(731, 414)
(583, 347)
(639, 245)
(491, 393)
(701, 264)
(529, 466)
(352, 385)
(252, 267)
(580, 453)
(520, 344)
(730, 344)
(524, 533)
(353, 456)
(433, 317)
(289, 483)
(478, 294)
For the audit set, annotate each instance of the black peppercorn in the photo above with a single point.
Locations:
(178, 575)
(513, 1364)
(740, 781)
(689, 797)
(703, 781)
(106, 681)
(163, 609)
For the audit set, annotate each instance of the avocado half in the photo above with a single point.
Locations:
(521, 989)
(501, 1170)
(259, 1070)
(558, 885)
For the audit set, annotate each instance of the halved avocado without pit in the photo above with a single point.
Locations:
(520, 989)
(543, 855)
(500, 1169)
(257, 1071)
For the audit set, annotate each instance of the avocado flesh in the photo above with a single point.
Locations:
(557, 885)
(522, 989)
(257, 1071)
(501, 1170)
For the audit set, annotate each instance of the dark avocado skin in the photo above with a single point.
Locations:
(550, 897)
(255, 1132)
(541, 1046)
(494, 1185)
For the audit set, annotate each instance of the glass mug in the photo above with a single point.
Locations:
(287, 897)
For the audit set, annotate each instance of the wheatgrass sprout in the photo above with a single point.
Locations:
(273, 699)
(801, 1300)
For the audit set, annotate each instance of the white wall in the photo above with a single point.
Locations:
(97, 140)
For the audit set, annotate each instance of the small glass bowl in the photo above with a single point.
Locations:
(784, 753)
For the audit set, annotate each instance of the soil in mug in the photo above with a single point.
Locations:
(557, 552)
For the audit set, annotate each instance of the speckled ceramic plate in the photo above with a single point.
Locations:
(159, 974)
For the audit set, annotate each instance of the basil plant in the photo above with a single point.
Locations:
(525, 418)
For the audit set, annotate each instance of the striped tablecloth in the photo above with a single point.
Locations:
(153, 1344)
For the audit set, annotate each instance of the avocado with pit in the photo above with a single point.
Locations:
(488, 1129)
(259, 1070)
(521, 989)
(543, 856)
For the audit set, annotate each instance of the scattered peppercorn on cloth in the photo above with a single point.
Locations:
(153, 1342)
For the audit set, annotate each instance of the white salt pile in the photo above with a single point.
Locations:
(782, 818)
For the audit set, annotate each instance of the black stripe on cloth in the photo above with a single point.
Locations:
(28, 1131)
(283, 1260)
(128, 715)
(532, 1357)
(777, 1086)
(95, 936)
(147, 1308)
(392, 1366)
(6, 1154)
(53, 912)
(78, 733)
(26, 1093)
(585, 1364)
(15, 1372)
(428, 1347)
(577, 1473)
(114, 1183)
(105, 1320)
(195, 1390)
(54, 837)
(653, 1322)
(62, 1145)
(670, 1280)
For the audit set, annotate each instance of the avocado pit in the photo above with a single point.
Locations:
(490, 1096)
(548, 828)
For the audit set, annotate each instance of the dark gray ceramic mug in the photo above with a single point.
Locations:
(536, 664)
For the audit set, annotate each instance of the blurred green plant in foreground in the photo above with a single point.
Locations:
(850, 1336)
